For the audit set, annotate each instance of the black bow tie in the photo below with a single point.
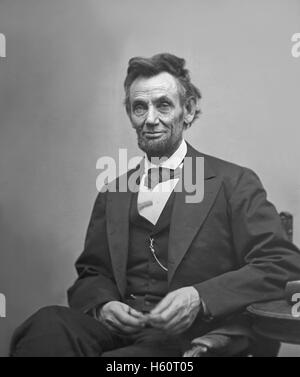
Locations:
(161, 174)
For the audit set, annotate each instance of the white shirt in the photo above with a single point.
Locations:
(152, 202)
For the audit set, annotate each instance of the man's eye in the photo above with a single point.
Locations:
(139, 110)
(164, 106)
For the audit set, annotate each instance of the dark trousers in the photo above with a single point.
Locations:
(57, 331)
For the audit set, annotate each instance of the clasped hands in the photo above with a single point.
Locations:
(174, 313)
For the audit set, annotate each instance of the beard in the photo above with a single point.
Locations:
(159, 148)
(154, 148)
(165, 146)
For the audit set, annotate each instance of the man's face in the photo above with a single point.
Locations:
(156, 114)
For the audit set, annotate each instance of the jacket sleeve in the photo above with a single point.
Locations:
(267, 260)
(95, 284)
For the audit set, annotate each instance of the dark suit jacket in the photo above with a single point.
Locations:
(230, 247)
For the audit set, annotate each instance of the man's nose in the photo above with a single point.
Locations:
(152, 117)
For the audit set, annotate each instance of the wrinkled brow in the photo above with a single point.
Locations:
(162, 98)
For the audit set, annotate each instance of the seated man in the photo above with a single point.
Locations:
(179, 253)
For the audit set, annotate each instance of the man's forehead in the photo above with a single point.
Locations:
(161, 84)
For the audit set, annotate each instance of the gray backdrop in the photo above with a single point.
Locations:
(61, 109)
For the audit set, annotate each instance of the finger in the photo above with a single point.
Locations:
(135, 313)
(179, 328)
(173, 313)
(163, 305)
(116, 320)
(174, 322)
(182, 320)
(142, 318)
(187, 318)
(166, 321)
(157, 321)
(156, 324)
(128, 320)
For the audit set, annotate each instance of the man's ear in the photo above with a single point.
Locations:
(190, 108)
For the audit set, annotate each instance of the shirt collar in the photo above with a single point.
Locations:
(173, 162)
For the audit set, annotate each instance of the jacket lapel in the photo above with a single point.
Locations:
(187, 218)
